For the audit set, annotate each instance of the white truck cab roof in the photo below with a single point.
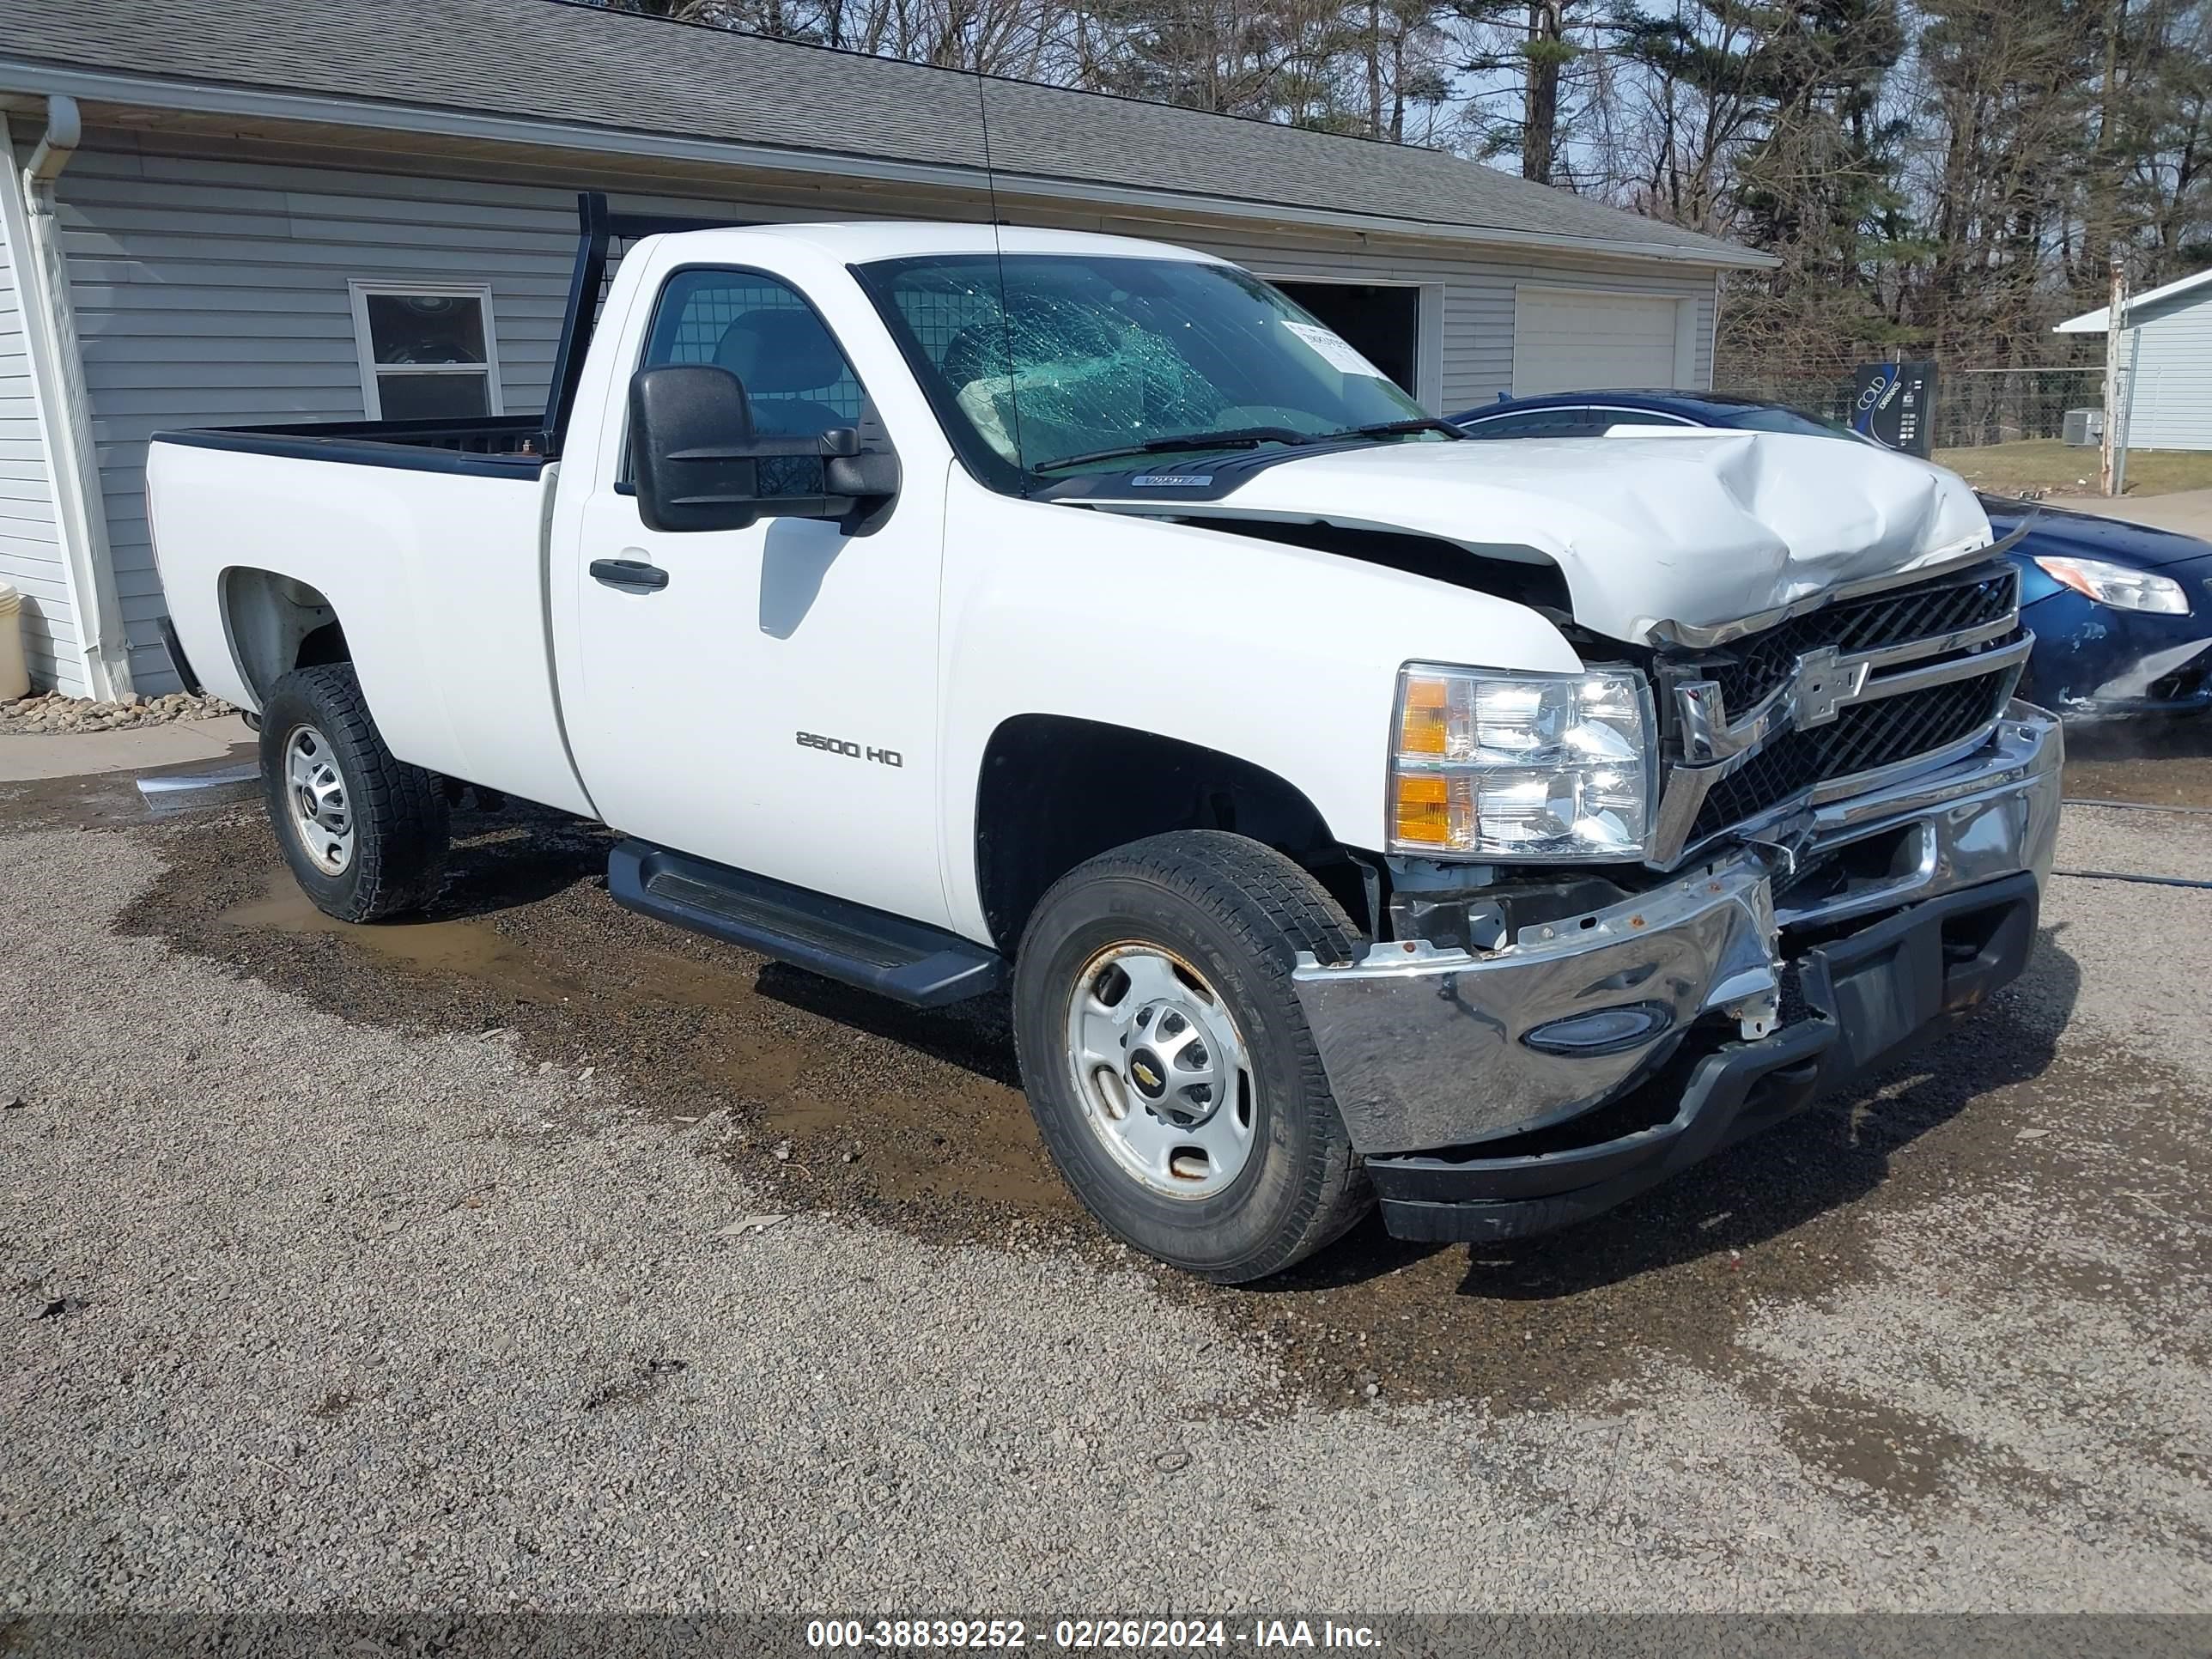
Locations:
(865, 242)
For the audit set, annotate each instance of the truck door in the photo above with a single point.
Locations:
(770, 703)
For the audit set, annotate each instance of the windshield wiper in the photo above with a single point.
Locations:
(1393, 428)
(1239, 437)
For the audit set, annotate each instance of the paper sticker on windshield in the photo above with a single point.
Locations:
(1335, 350)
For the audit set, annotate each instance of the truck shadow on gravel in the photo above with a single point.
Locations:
(1834, 1154)
(824, 1098)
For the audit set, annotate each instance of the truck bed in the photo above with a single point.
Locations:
(503, 446)
(431, 554)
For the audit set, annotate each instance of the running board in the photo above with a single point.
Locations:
(832, 936)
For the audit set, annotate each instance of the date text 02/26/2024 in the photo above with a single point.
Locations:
(1082, 1635)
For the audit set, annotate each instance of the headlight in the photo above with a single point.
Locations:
(2118, 586)
(1520, 766)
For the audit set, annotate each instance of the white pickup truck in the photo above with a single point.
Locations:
(1352, 811)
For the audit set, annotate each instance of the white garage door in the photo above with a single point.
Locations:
(1568, 342)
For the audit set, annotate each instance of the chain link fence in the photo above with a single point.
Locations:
(1974, 407)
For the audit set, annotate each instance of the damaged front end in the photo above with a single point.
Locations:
(1836, 872)
(2096, 662)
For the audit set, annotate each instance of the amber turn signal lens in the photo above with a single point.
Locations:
(1423, 726)
(1424, 813)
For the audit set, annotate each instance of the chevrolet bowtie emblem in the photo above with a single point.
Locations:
(1825, 684)
(1818, 688)
(1145, 1074)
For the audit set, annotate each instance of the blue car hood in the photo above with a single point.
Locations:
(2084, 535)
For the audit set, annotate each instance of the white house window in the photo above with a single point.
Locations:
(426, 351)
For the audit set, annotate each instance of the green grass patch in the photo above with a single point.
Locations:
(2045, 463)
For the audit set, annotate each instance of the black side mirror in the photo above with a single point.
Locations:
(690, 430)
(697, 459)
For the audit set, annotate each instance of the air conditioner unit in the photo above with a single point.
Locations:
(2084, 427)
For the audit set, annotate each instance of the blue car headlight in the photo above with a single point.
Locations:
(2116, 585)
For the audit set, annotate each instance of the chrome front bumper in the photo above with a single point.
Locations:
(1427, 1049)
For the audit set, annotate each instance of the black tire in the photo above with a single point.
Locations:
(397, 811)
(1238, 912)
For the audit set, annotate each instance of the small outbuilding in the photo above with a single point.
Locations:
(225, 212)
(2165, 359)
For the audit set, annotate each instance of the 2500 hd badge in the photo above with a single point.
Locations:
(848, 748)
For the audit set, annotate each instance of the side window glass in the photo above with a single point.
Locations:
(427, 352)
(1535, 424)
(759, 328)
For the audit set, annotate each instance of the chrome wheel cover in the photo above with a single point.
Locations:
(1162, 1070)
(322, 817)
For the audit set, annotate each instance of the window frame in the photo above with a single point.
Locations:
(1645, 417)
(805, 300)
(623, 480)
(361, 289)
(1566, 414)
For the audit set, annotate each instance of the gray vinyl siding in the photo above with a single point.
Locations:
(2170, 353)
(213, 290)
(30, 557)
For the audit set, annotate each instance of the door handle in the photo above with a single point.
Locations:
(631, 576)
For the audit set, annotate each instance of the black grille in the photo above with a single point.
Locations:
(1748, 672)
(1863, 736)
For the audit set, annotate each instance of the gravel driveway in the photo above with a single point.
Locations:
(535, 1257)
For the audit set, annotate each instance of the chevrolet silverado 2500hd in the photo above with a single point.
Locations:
(1352, 811)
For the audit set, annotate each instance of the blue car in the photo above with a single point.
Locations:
(2122, 613)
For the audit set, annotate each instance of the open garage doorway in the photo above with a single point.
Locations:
(1381, 321)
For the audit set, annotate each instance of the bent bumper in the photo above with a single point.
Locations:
(1868, 999)
(1432, 1049)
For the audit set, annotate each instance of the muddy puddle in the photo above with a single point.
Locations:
(2155, 762)
(914, 1119)
(102, 800)
(471, 948)
(942, 1139)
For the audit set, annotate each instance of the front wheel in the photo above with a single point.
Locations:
(1168, 1063)
(365, 832)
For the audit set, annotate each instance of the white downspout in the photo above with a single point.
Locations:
(57, 359)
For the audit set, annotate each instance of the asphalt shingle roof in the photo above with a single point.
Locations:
(578, 65)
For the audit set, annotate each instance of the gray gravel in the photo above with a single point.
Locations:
(306, 1313)
(50, 712)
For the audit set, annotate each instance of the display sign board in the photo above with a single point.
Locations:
(1895, 405)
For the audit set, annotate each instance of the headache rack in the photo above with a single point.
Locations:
(1765, 720)
(603, 237)
(513, 446)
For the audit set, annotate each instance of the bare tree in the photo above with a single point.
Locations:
(1935, 175)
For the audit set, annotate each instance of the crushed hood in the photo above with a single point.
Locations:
(1696, 528)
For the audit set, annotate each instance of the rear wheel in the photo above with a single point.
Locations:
(1167, 1061)
(364, 832)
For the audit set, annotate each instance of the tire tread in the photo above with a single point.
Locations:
(1277, 909)
(401, 808)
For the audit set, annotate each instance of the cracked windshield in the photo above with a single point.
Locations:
(1098, 359)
